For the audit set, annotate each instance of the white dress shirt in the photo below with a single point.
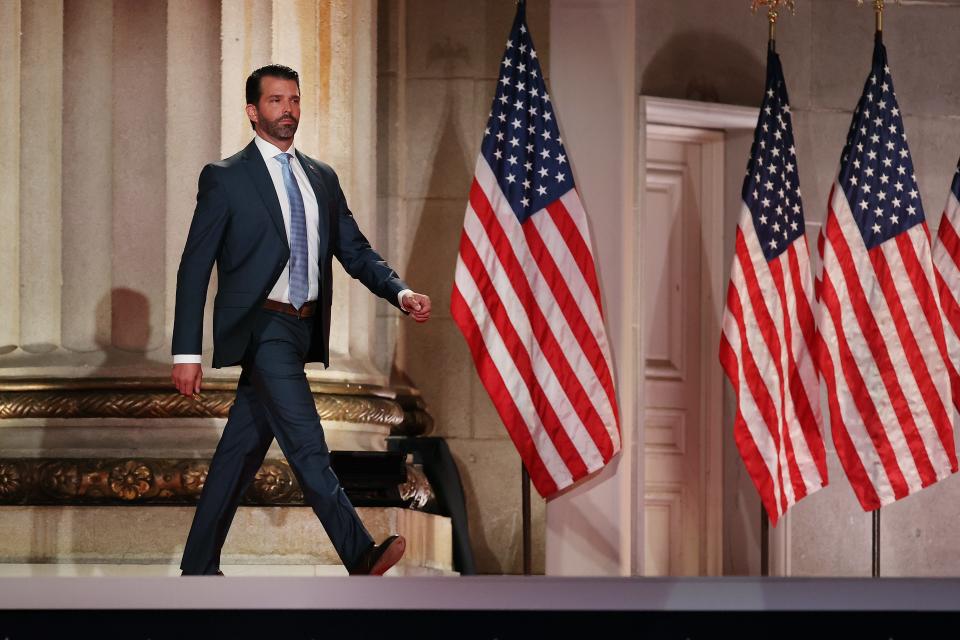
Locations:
(281, 290)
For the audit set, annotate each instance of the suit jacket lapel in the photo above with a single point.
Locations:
(320, 191)
(253, 161)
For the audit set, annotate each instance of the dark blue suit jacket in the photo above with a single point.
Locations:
(238, 224)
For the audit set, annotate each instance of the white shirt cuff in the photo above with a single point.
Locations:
(187, 358)
(400, 297)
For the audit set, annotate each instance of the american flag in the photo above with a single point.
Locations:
(883, 353)
(526, 295)
(946, 261)
(768, 326)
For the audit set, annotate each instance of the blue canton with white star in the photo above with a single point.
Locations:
(771, 189)
(522, 142)
(876, 170)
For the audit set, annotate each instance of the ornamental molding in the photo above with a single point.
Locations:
(172, 481)
(400, 408)
(689, 113)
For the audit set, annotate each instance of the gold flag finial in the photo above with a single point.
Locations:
(773, 12)
(878, 6)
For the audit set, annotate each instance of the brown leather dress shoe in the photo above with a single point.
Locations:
(380, 557)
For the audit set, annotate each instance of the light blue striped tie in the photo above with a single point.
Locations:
(299, 285)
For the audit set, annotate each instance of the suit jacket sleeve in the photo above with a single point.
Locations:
(356, 255)
(199, 253)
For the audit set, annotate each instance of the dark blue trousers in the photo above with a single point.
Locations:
(273, 401)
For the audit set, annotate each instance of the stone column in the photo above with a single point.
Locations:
(114, 108)
(391, 167)
(332, 44)
(98, 184)
(247, 37)
(87, 215)
(139, 175)
(41, 90)
(362, 188)
(10, 175)
(193, 132)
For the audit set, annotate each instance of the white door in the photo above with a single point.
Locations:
(684, 171)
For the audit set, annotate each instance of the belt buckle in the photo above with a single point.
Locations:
(300, 311)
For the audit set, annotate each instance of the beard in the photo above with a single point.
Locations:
(280, 131)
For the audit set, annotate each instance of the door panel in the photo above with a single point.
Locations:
(674, 492)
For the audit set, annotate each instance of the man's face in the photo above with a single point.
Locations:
(278, 111)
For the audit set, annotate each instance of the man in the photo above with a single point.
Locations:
(272, 219)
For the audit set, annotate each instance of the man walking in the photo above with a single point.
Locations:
(272, 219)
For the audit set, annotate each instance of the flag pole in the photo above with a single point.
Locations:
(764, 543)
(773, 13)
(876, 543)
(878, 6)
(525, 491)
(525, 488)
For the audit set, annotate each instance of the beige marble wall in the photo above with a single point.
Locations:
(718, 54)
(438, 64)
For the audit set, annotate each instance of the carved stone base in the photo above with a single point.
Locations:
(114, 456)
(288, 537)
(98, 418)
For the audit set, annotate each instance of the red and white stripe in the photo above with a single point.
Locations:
(946, 262)
(766, 350)
(526, 298)
(883, 359)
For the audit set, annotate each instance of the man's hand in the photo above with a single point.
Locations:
(187, 377)
(418, 305)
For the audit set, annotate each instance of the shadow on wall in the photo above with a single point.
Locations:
(432, 256)
(703, 66)
(434, 247)
(129, 319)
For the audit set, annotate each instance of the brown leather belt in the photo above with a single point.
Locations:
(307, 310)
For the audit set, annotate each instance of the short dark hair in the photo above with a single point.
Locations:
(272, 70)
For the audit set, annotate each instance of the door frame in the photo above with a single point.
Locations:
(706, 123)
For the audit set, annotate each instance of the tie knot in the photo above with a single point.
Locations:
(283, 158)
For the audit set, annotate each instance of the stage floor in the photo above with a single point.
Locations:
(482, 593)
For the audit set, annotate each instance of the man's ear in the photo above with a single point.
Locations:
(252, 113)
